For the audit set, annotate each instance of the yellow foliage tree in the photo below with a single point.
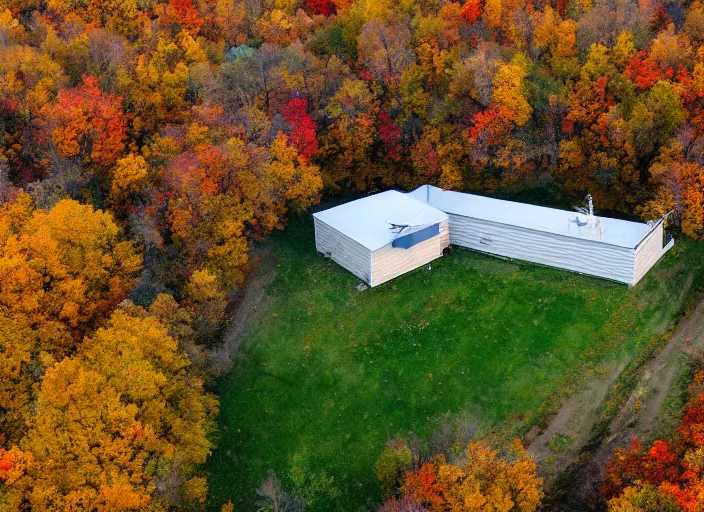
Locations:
(63, 269)
(299, 182)
(122, 425)
(192, 51)
(492, 13)
(128, 176)
(277, 27)
(559, 38)
(16, 343)
(353, 110)
(642, 498)
(119, 15)
(156, 89)
(624, 49)
(206, 303)
(509, 84)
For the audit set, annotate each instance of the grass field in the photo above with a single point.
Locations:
(330, 373)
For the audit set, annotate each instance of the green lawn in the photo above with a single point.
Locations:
(331, 373)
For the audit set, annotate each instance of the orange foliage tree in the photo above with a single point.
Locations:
(484, 481)
(680, 189)
(87, 124)
(221, 195)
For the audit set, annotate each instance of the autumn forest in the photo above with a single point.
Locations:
(146, 146)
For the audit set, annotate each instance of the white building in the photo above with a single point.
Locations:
(382, 236)
(364, 235)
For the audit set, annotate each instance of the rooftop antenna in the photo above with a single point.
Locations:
(591, 224)
(589, 210)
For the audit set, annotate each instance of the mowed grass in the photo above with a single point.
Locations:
(330, 374)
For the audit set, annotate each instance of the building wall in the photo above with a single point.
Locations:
(389, 262)
(343, 250)
(584, 256)
(649, 252)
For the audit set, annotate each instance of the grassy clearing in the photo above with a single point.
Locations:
(331, 373)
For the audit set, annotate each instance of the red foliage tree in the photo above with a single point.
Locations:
(303, 127)
(187, 14)
(692, 428)
(660, 18)
(471, 11)
(390, 135)
(643, 70)
(6, 464)
(323, 7)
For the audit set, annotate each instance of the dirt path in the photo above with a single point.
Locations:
(561, 445)
(571, 428)
(248, 307)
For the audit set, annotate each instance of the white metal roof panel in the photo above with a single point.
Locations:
(617, 232)
(370, 221)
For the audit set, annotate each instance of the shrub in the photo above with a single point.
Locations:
(392, 464)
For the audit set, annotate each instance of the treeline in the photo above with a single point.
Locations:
(146, 145)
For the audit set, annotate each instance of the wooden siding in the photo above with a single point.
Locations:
(445, 234)
(343, 250)
(390, 262)
(584, 256)
(649, 252)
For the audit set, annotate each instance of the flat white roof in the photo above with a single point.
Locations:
(370, 221)
(617, 232)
